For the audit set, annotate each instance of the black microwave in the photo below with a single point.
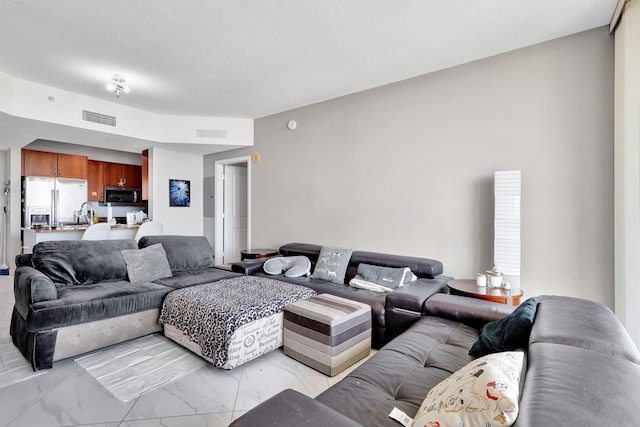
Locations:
(119, 196)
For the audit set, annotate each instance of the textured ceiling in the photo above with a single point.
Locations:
(241, 58)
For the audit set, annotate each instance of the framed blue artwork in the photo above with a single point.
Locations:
(179, 192)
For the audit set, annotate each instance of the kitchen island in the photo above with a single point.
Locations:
(32, 236)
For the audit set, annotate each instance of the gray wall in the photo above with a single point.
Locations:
(408, 168)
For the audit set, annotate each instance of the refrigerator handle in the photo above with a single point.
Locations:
(55, 206)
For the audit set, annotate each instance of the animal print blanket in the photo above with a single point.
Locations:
(210, 314)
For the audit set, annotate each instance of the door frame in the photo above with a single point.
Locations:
(218, 200)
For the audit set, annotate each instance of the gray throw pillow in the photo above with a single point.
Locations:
(381, 279)
(332, 264)
(147, 264)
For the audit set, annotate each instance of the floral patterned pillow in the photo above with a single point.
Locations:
(483, 393)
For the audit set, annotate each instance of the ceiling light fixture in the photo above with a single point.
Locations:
(118, 86)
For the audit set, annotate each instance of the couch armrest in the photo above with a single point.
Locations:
(413, 295)
(403, 306)
(470, 311)
(249, 266)
(292, 409)
(31, 286)
(24, 260)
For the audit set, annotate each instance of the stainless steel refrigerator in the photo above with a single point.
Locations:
(60, 197)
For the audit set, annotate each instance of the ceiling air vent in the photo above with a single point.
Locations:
(101, 119)
(211, 133)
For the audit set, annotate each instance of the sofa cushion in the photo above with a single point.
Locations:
(183, 252)
(183, 279)
(402, 372)
(82, 262)
(146, 264)
(421, 267)
(573, 386)
(97, 301)
(332, 264)
(509, 333)
(481, 393)
(606, 335)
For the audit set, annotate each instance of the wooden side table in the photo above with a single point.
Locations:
(468, 288)
(257, 253)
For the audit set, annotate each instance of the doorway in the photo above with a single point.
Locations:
(232, 204)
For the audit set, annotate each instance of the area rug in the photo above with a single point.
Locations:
(13, 366)
(138, 366)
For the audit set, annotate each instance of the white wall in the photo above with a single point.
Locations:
(408, 168)
(627, 170)
(167, 164)
(13, 174)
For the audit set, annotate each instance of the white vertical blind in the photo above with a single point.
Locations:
(506, 237)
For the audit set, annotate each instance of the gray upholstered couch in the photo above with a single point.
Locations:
(581, 369)
(392, 313)
(74, 296)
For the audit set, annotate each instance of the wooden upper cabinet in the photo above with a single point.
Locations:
(95, 181)
(42, 163)
(132, 175)
(145, 175)
(39, 163)
(112, 174)
(120, 175)
(70, 166)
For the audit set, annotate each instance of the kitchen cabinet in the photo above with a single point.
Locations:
(145, 175)
(132, 175)
(95, 181)
(121, 175)
(43, 163)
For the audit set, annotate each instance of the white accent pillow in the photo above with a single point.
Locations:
(483, 393)
(293, 266)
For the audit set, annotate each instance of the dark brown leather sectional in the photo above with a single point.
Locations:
(582, 369)
(392, 313)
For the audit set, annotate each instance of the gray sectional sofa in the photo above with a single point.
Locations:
(75, 296)
(581, 368)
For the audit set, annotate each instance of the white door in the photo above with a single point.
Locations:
(235, 212)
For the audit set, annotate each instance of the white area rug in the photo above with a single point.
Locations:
(13, 366)
(135, 367)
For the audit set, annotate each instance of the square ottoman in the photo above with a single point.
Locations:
(327, 333)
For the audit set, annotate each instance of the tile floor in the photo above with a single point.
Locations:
(207, 397)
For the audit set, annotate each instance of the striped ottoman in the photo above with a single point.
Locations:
(327, 333)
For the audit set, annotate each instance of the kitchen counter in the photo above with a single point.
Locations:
(71, 228)
(33, 236)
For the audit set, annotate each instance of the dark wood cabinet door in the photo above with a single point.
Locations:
(112, 174)
(132, 175)
(145, 175)
(38, 163)
(95, 182)
(70, 166)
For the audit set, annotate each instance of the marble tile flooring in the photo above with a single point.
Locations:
(208, 397)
